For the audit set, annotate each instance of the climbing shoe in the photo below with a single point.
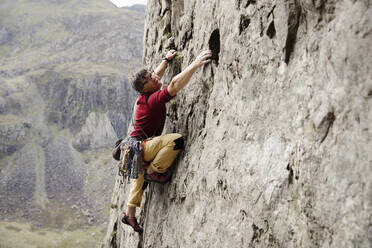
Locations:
(157, 177)
(132, 222)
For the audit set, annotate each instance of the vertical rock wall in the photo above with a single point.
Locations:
(278, 127)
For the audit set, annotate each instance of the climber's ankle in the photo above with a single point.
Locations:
(131, 212)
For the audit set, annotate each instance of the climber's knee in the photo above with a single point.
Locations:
(179, 143)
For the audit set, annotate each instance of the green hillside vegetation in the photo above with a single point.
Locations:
(23, 235)
(10, 120)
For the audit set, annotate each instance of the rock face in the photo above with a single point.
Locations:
(278, 127)
(64, 101)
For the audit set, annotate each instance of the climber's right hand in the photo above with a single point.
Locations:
(203, 58)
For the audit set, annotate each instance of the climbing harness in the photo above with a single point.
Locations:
(130, 163)
(129, 153)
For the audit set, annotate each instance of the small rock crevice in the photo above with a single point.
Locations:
(271, 31)
(244, 23)
(326, 124)
(187, 33)
(326, 10)
(369, 94)
(293, 24)
(167, 30)
(214, 45)
(257, 232)
(114, 232)
(290, 176)
(244, 3)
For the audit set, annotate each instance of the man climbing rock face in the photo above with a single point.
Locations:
(159, 151)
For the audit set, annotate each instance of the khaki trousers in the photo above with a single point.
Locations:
(160, 153)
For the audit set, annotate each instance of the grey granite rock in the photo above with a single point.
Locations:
(278, 131)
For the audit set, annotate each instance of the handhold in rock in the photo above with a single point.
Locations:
(214, 44)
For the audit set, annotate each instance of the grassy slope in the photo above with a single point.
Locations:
(23, 235)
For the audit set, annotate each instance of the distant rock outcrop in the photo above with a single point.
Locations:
(278, 127)
(13, 134)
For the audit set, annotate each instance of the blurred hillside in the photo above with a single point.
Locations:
(277, 128)
(64, 100)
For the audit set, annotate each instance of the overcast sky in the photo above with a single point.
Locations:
(124, 3)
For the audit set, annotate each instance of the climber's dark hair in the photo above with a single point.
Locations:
(138, 80)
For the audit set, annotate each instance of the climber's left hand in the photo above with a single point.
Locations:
(171, 54)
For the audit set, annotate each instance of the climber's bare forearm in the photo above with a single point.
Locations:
(180, 81)
(163, 65)
(161, 68)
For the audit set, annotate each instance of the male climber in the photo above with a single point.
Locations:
(159, 151)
